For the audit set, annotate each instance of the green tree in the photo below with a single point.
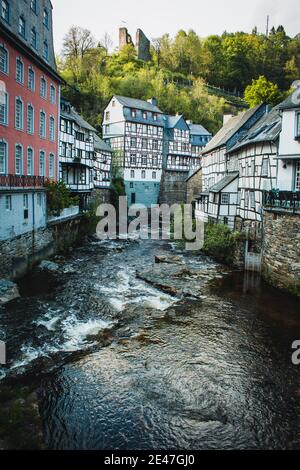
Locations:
(262, 91)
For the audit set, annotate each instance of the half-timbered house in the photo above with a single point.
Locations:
(218, 201)
(102, 164)
(76, 152)
(200, 137)
(178, 148)
(135, 130)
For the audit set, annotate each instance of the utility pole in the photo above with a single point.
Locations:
(267, 28)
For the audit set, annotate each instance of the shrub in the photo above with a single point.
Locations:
(220, 242)
(59, 197)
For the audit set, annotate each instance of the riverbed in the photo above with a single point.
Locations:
(128, 353)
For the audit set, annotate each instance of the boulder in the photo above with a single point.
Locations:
(168, 259)
(8, 291)
(46, 265)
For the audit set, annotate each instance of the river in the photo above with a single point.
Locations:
(126, 353)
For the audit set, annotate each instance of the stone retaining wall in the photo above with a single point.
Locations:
(281, 250)
(173, 187)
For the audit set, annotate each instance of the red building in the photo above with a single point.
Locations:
(29, 114)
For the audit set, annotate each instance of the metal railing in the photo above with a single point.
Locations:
(21, 181)
(288, 200)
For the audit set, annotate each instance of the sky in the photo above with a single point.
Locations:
(157, 17)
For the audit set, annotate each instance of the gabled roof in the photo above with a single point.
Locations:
(74, 116)
(229, 129)
(216, 188)
(267, 129)
(172, 121)
(292, 101)
(138, 104)
(198, 129)
(193, 173)
(101, 145)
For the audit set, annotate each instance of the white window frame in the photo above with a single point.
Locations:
(30, 173)
(225, 199)
(43, 131)
(20, 61)
(21, 127)
(6, 68)
(5, 161)
(30, 69)
(52, 94)
(52, 130)
(8, 202)
(30, 130)
(42, 169)
(51, 165)
(43, 95)
(21, 159)
(6, 108)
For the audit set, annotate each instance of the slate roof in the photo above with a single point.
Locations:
(267, 129)
(74, 116)
(198, 129)
(171, 121)
(229, 129)
(137, 104)
(216, 188)
(292, 101)
(101, 145)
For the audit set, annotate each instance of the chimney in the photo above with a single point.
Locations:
(226, 118)
(189, 122)
(153, 101)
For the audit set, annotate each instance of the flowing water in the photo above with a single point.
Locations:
(129, 354)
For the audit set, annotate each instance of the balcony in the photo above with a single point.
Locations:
(21, 182)
(282, 200)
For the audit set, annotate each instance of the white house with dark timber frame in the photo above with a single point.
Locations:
(218, 201)
(102, 164)
(135, 130)
(254, 155)
(178, 146)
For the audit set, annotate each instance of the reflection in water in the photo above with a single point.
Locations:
(177, 372)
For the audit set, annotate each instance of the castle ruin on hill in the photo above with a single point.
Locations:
(142, 43)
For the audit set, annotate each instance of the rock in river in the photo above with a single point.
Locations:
(8, 291)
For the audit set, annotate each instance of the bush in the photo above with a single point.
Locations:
(59, 197)
(220, 242)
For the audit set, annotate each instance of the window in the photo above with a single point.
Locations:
(133, 113)
(132, 159)
(252, 199)
(144, 160)
(3, 158)
(224, 198)
(144, 129)
(52, 128)
(22, 26)
(265, 168)
(107, 115)
(4, 110)
(246, 199)
(29, 166)
(133, 142)
(154, 175)
(42, 124)
(143, 174)
(52, 94)
(43, 88)
(45, 50)
(20, 71)
(133, 127)
(154, 116)
(46, 18)
(155, 130)
(33, 38)
(113, 103)
(298, 125)
(225, 220)
(25, 204)
(132, 174)
(19, 114)
(39, 199)
(18, 160)
(8, 203)
(297, 176)
(80, 136)
(5, 10)
(144, 143)
(155, 144)
(33, 6)
(51, 165)
(154, 161)
(131, 186)
(42, 163)
(31, 79)
(30, 119)
(3, 59)
(145, 115)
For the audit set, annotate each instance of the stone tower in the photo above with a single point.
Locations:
(124, 38)
(142, 46)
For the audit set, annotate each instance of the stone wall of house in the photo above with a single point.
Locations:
(281, 250)
(173, 187)
(19, 254)
(193, 186)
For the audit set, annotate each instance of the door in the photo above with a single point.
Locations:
(132, 198)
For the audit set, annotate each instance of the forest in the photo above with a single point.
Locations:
(187, 74)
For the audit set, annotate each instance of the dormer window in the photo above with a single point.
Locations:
(45, 50)
(22, 27)
(33, 38)
(33, 6)
(46, 18)
(144, 115)
(5, 10)
(107, 115)
(133, 113)
(155, 116)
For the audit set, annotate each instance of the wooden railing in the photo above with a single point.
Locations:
(289, 200)
(16, 181)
